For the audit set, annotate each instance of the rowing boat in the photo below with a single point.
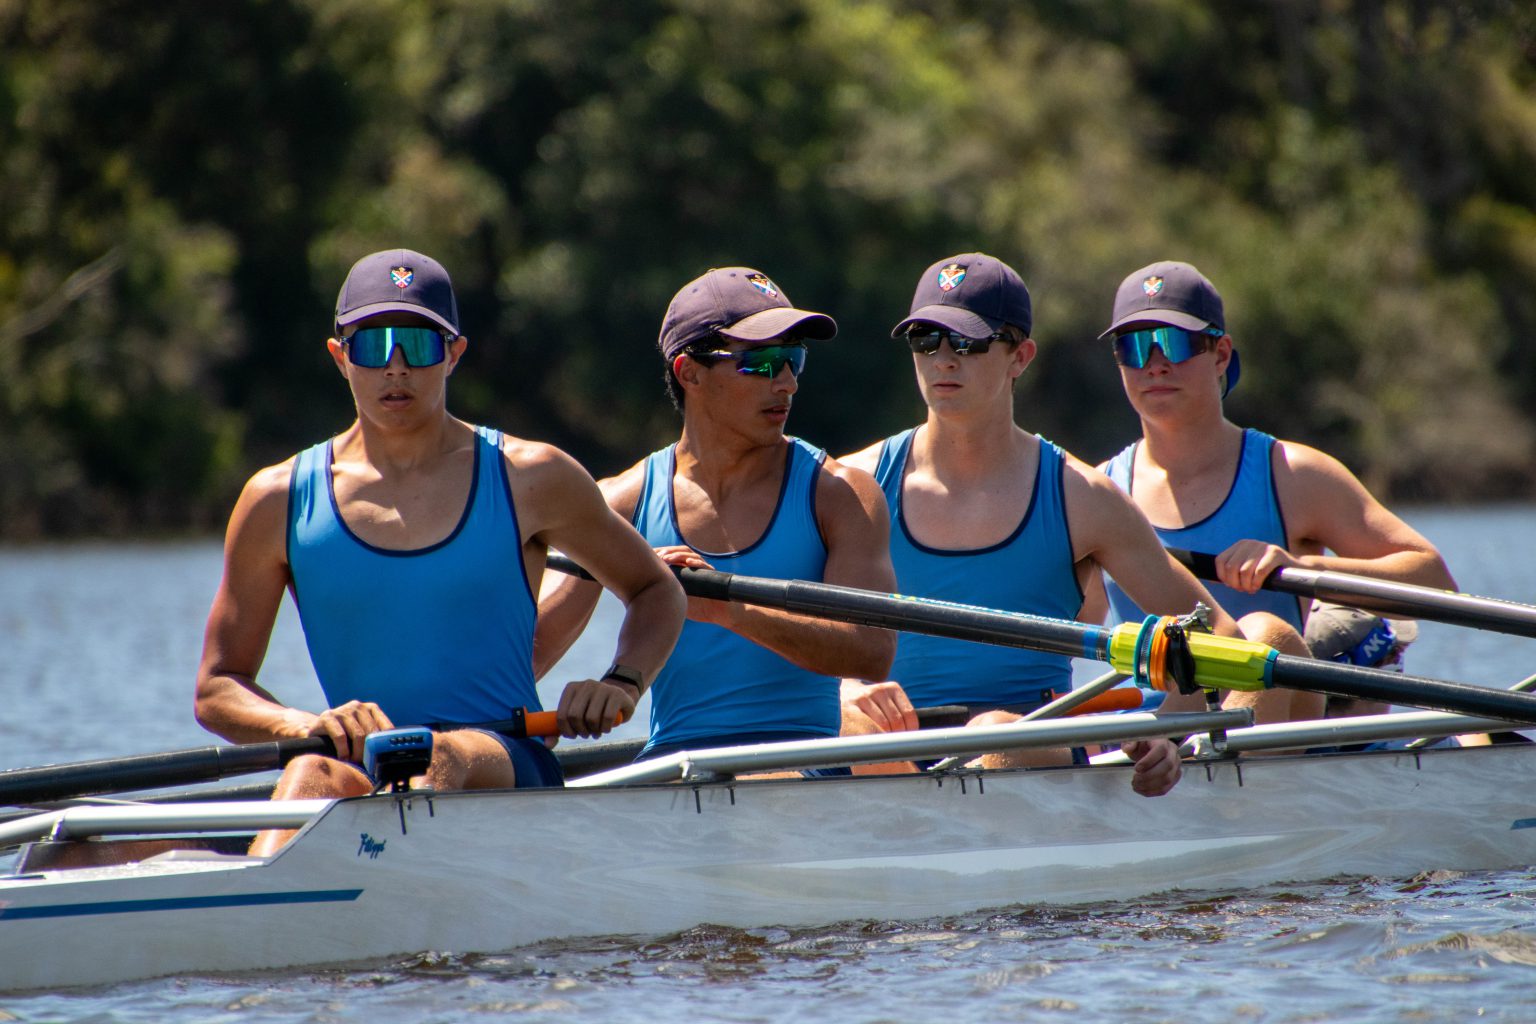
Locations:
(687, 841)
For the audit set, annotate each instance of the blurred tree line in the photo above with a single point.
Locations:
(183, 186)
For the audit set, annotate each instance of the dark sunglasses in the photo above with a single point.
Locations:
(374, 347)
(1134, 348)
(766, 360)
(925, 341)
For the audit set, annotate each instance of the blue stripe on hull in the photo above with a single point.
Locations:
(255, 899)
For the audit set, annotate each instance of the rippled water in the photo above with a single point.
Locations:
(99, 646)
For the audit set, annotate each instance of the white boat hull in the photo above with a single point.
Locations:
(489, 871)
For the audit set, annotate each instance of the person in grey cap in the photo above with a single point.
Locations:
(985, 512)
(412, 543)
(1211, 486)
(735, 493)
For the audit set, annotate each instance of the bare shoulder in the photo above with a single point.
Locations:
(527, 456)
(257, 537)
(1307, 474)
(1326, 505)
(866, 459)
(1087, 486)
(1295, 457)
(623, 490)
(1099, 514)
(846, 490)
(856, 526)
(556, 477)
(264, 499)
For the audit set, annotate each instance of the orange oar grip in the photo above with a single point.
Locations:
(1121, 698)
(542, 723)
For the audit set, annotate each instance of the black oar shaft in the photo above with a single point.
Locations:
(151, 771)
(1396, 688)
(888, 611)
(1385, 597)
(960, 622)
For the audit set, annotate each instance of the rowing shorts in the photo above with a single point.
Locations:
(740, 739)
(534, 764)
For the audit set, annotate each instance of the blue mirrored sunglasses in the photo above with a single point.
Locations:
(1134, 348)
(925, 341)
(765, 360)
(374, 347)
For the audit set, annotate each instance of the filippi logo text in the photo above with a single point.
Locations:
(371, 846)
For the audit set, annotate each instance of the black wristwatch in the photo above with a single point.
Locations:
(625, 674)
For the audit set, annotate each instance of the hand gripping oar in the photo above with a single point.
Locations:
(1384, 597)
(1159, 653)
(22, 786)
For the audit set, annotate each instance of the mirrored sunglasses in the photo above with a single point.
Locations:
(1134, 348)
(765, 360)
(373, 347)
(925, 341)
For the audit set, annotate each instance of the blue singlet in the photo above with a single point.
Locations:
(1250, 511)
(1031, 571)
(438, 634)
(717, 684)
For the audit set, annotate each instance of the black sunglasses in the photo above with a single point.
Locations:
(925, 341)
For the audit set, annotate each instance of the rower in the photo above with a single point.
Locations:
(1208, 485)
(735, 493)
(984, 512)
(413, 543)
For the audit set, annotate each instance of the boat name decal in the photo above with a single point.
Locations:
(371, 846)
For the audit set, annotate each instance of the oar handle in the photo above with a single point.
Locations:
(1385, 597)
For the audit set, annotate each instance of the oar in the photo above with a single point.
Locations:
(25, 786)
(1219, 662)
(1385, 597)
(1525, 685)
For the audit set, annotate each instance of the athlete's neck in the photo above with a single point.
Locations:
(1184, 450)
(723, 464)
(972, 448)
(400, 451)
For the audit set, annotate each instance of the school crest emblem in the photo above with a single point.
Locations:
(1152, 285)
(950, 277)
(402, 277)
(763, 285)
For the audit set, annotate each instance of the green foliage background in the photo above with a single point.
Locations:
(184, 184)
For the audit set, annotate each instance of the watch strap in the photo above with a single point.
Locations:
(625, 674)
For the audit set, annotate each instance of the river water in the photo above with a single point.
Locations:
(98, 651)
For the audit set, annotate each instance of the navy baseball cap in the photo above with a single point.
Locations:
(735, 302)
(397, 281)
(1175, 294)
(972, 294)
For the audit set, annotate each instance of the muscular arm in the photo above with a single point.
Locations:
(228, 700)
(851, 513)
(566, 602)
(574, 517)
(1327, 509)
